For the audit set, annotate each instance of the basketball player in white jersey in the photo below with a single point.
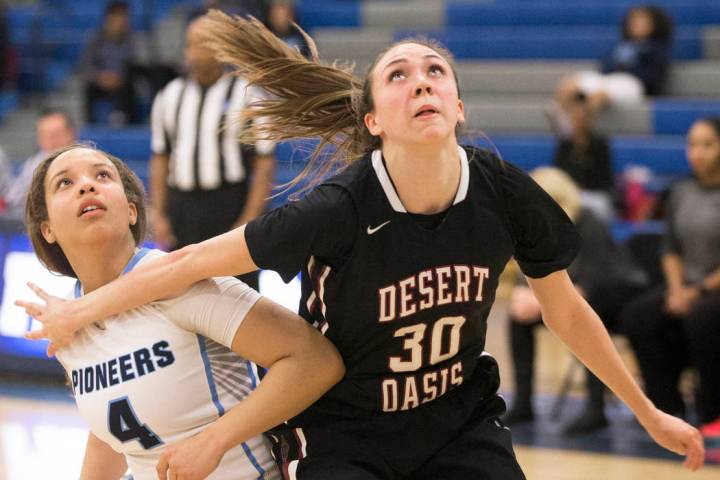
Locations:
(173, 379)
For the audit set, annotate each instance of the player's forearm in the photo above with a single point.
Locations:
(579, 327)
(569, 316)
(161, 277)
(291, 384)
(164, 277)
(260, 188)
(101, 462)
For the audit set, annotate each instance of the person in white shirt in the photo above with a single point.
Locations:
(169, 389)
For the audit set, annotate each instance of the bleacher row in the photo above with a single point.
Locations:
(457, 13)
(49, 37)
(664, 155)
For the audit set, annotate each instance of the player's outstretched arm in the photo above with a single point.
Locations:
(302, 365)
(569, 316)
(101, 462)
(166, 276)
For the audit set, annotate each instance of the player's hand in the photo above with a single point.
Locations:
(192, 459)
(57, 321)
(677, 436)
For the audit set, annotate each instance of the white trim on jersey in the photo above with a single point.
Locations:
(321, 291)
(312, 296)
(292, 470)
(389, 189)
(302, 442)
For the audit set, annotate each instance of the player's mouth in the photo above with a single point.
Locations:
(426, 111)
(91, 208)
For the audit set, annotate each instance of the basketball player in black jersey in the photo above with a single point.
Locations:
(400, 253)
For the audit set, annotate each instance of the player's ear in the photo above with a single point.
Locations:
(132, 213)
(372, 125)
(47, 232)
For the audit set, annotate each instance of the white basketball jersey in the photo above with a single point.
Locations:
(161, 373)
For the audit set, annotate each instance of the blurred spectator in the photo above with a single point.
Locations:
(54, 129)
(5, 50)
(106, 64)
(280, 19)
(256, 8)
(202, 181)
(678, 324)
(5, 177)
(606, 293)
(638, 65)
(586, 157)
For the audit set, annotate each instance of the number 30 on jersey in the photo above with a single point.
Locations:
(409, 392)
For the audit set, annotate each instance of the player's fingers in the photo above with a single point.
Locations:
(162, 468)
(696, 451)
(35, 310)
(51, 350)
(39, 291)
(36, 334)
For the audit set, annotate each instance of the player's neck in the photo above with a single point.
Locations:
(426, 178)
(101, 262)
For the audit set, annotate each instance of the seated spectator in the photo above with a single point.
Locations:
(5, 177)
(637, 66)
(606, 293)
(54, 129)
(5, 49)
(107, 62)
(255, 8)
(586, 157)
(678, 324)
(280, 19)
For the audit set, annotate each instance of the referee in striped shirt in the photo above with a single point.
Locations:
(202, 181)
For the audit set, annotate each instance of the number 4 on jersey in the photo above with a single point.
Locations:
(125, 426)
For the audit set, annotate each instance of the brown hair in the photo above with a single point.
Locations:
(51, 254)
(307, 98)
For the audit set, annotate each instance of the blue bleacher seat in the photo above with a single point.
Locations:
(329, 14)
(560, 12)
(674, 116)
(129, 143)
(546, 42)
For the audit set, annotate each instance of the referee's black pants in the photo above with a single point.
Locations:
(197, 215)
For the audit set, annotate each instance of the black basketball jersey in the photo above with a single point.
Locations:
(405, 305)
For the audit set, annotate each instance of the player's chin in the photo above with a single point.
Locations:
(433, 134)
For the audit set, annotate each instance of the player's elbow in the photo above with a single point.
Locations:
(325, 358)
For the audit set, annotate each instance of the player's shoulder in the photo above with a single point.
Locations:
(483, 159)
(352, 175)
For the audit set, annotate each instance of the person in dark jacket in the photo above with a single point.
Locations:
(602, 272)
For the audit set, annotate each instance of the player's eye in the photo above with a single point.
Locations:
(396, 75)
(436, 70)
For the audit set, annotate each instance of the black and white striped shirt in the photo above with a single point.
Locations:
(189, 123)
